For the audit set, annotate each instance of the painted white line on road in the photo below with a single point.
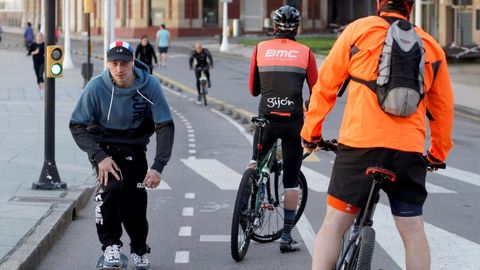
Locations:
(171, 91)
(192, 151)
(190, 131)
(461, 175)
(182, 257)
(191, 145)
(306, 232)
(431, 188)
(215, 238)
(448, 250)
(316, 181)
(191, 135)
(186, 122)
(191, 157)
(183, 96)
(163, 186)
(215, 172)
(191, 140)
(185, 231)
(242, 130)
(189, 195)
(187, 211)
(191, 99)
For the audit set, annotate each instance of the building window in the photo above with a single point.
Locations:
(210, 12)
(478, 19)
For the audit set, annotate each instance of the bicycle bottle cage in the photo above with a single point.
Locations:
(259, 121)
(381, 173)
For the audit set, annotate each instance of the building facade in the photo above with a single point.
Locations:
(449, 21)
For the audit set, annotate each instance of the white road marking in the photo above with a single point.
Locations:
(306, 232)
(183, 96)
(215, 238)
(191, 140)
(163, 186)
(242, 130)
(191, 135)
(189, 195)
(192, 151)
(192, 145)
(185, 231)
(461, 175)
(188, 126)
(171, 91)
(182, 257)
(316, 181)
(448, 250)
(187, 211)
(190, 131)
(215, 172)
(191, 99)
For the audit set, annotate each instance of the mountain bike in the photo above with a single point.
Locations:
(258, 210)
(203, 84)
(359, 241)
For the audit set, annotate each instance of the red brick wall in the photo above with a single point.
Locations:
(273, 5)
(313, 9)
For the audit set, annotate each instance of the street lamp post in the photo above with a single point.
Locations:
(418, 13)
(87, 68)
(224, 45)
(67, 59)
(108, 27)
(49, 178)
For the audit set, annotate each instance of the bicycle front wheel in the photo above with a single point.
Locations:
(272, 219)
(242, 215)
(365, 249)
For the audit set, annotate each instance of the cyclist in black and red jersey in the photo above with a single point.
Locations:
(201, 59)
(278, 70)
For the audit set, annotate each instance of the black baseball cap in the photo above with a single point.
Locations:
(119, 51)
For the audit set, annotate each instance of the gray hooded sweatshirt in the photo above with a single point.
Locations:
(107, 114)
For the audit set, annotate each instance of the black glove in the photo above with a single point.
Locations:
(433, 164)
(309, 145)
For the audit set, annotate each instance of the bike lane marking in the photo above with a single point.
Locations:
(215, 172)
(461, 175)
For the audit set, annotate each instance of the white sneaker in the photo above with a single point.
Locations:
(140, 261)
(111, 256)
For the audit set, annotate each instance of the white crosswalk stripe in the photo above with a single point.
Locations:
(448, 250)
(461, 175)
(215, 172)
(319, 182)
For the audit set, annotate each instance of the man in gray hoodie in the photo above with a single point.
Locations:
(116, 115)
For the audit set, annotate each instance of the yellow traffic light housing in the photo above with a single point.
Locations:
(54, 61)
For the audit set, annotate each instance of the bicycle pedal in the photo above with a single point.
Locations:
(268, 206)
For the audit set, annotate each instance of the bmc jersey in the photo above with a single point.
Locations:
(278, 69)
(365, 125)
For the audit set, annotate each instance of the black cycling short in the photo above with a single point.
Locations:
(163, 49)
(350, 184)
(288, 130)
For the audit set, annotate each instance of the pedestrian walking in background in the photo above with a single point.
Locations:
(163, 42)
(145, 52)
(113, 121)
(28, 36)
(37, 50)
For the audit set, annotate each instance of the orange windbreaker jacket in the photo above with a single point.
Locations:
(364, 123)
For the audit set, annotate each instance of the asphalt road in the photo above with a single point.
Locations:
(221, 152)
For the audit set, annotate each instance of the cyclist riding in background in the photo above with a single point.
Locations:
(278, 70)
(201, 59)
(371, 135)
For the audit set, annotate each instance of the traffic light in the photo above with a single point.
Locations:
(54, 61)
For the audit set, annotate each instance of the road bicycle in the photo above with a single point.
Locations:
(203, 84)
(258, 210)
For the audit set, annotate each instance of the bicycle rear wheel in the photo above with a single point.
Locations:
(242, 215)
(204, 93)
(365, 250)
(272, 219)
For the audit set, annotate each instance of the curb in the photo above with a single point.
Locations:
(467, 111)
(33, 247)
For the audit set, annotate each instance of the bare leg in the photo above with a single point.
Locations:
(291, 199)
(417, 251)
(329, 237)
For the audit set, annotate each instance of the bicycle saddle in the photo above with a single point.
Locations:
(381, 173)
(259, 121)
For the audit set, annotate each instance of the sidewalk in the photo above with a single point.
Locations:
(30, 220)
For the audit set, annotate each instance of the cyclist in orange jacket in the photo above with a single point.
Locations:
(370, 136)
(278, 70)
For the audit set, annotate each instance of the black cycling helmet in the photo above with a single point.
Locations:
(286, 18)
(407, 4)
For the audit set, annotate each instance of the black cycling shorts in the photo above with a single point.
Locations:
(288, 130)
(350, 185)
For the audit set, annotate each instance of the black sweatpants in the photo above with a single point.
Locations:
(39, 68)
(124, 202)
(198, 73)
